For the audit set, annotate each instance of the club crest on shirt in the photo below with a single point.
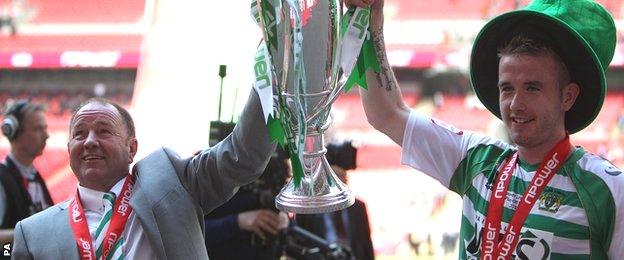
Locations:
(447, 127)
(550, 201)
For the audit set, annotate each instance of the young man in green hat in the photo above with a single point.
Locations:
(541, 70)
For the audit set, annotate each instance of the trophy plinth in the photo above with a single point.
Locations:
(320, 190)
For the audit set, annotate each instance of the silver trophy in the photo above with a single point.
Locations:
(308, 77)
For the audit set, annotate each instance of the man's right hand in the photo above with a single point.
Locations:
(261, 222)
(360, 3)
(376, 21)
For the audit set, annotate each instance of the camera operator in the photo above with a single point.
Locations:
(246, 226)
(349, 227)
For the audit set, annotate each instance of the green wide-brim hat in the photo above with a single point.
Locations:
(583, 34)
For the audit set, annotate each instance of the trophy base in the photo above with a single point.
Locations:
(334, 201)
(319, 189)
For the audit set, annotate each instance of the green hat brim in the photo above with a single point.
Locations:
(582, 62)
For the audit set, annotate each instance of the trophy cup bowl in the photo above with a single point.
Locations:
(310, 36)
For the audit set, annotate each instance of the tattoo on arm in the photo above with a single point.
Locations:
(385, 77)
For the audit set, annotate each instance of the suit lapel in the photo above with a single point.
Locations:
(156, 178)
(142, 208)
(68, 250)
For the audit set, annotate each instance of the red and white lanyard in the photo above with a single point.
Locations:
(78, 222)
(491, 247)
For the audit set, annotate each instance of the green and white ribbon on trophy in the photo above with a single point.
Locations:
(309, 54)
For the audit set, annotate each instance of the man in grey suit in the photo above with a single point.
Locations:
(167, 195)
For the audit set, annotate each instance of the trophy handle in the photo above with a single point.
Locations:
(321, 109)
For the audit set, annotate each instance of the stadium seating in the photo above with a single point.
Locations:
(80, 11)
(454, 110)
(51, 43)
(467, 9)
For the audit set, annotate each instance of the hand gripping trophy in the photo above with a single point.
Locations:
(309, 54)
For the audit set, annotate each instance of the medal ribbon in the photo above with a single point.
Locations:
(78, 222)
(491, 247)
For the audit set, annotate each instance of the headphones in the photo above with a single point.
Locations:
(12, 118)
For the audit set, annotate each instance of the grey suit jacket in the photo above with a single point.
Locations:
(170, 198)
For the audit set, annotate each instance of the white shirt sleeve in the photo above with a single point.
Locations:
(435, 148)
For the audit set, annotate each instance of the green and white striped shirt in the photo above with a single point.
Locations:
(579, 215)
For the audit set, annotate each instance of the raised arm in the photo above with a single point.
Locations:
(213, 176)
(384, 106)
